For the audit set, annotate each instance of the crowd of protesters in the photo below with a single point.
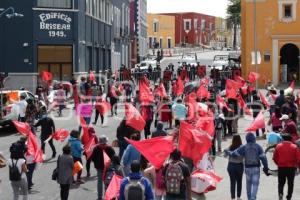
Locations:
(165, 111)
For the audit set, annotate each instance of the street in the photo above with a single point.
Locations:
(45, 188)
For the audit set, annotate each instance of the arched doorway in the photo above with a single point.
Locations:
(289, 55)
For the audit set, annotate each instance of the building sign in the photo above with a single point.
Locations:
(54, 25)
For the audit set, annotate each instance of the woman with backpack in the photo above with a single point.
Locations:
(17, 174)
(235, 168)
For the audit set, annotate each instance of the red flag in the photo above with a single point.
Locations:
(155, 150)
(103, 107)
(134, 118)
(89, 147)
(193, 144)
(60, 135)
(231, 93)
(22, 128)
(243, 105)
(106, 164)
(145, 95)
(113, 190)
(231, 84)
(259, 122)
(203, 93)
(161, 91)
(179, 87)
(33, 148)
(208, 181)
(220, 101)
(207, 125)
(239, 79)
(92, 76)
(263, 99)
(46, 76)
(253, 76)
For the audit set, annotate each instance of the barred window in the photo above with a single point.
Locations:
(54, 3)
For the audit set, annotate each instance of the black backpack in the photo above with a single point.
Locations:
(14, 173)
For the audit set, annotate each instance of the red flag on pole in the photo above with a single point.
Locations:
(22, 128)
(46, 76)
(203, 93)
(243, 105)
(259, 122)
(113, 190)
(231, 93)
(161, 91)
(231, 84)
(220, 101)
(89, 147)
(60, 135)
(207, 125)
(193, 144)
(134, 118)
(253, 76)
(155, 150)
(239, 79)
(145, 95)
(263, 99)
(33, 148)
(103, 107)
(179, 87)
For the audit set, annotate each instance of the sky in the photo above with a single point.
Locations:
(209, 7)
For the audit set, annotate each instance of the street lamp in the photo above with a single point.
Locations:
(11, 14)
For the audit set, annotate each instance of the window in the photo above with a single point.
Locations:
(155, 26)
(203, 24)
(54, 3)
(187, 24)
(160, 42)
(287, 11)
(195, 24)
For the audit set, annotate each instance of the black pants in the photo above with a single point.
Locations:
(51, 146)
(88, 165)
(289, 174)
(80, 172)
(177, 123)
(147, 128)
(97, 116)
(235, 171)
(64, 191)
(227, 127)
(257, 132)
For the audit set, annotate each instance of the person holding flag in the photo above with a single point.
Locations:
(257, 106)
(47, 129)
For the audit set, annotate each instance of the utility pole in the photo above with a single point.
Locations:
(255, 40)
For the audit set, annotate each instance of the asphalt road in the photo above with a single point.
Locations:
(46, 189)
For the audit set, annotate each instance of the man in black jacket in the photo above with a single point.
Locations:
(48, 127)
(280, 100)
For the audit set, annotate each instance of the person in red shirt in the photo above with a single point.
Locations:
(287, 158)
(289, 127)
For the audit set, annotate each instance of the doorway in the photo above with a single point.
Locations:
(56, 59)
(289, 56)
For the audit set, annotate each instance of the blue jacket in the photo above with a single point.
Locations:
(76, 147)
(241, 151)
(130, 154)
(148, 190)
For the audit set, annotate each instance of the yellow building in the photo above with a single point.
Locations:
(277, 39)
(161, 31)
(223, 35)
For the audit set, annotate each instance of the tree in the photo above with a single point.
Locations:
(234, 18)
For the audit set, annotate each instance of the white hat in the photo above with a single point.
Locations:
(284, 117)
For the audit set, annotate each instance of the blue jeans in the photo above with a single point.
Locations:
(252, 182)
(100, 184)
(235, 171)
